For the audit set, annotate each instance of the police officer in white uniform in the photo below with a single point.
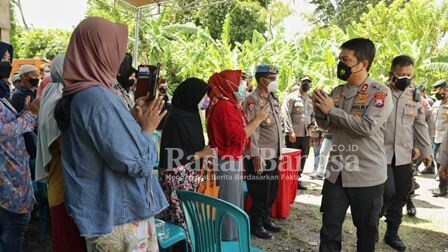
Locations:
(355, 113)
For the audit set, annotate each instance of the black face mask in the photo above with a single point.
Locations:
(33, 82)
(402, 82)
(344, 71)
(5, 69)
(440, 96)
(305, 86)
(125, 82)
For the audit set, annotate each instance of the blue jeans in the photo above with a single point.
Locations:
(12, 229)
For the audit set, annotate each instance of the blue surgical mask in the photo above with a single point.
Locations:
(241, 93)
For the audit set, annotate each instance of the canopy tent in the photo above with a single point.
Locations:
(138, 5)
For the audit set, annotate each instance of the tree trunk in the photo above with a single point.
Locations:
(19, 5)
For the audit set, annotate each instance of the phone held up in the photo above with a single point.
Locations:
(148, 78)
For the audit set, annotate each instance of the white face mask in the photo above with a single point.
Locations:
(203, 104)
(273, 87)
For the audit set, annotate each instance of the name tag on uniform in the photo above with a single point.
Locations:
(410, 108)
(410, 112)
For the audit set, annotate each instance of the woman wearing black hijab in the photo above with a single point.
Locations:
(183, 145)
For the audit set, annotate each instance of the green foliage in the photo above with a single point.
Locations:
(246, 16)
(115, 11)
(15, 30)
(342, 12)
(41, 43)
(414, 28)
(188, 48)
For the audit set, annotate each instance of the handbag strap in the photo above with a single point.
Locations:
(211, 175)
(210, 180)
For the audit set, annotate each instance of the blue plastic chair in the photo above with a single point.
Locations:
(204, 216)
(176, 234)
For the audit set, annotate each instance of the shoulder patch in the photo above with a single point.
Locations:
(379, 99)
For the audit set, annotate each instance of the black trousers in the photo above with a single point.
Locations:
(365, 204)
(396, 192)
(262, 189)
(302, 143)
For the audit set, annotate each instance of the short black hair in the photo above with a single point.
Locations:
(364, 49)
(402, 61)
(258, 76)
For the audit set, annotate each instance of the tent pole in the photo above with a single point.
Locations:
(137, 25)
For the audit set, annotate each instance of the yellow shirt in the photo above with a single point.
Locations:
(55, 178)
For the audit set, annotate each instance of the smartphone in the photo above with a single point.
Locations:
(147, 81)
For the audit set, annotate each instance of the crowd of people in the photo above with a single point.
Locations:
(76, 125)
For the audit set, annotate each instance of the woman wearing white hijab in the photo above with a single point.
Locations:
(65, 234)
